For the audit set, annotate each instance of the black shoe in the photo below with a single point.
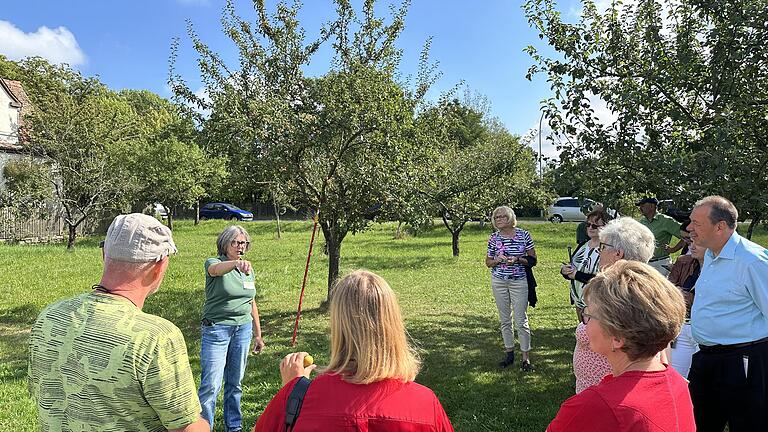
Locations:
(526, 366)
(508, 361)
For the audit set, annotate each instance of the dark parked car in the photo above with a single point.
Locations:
(224, 211)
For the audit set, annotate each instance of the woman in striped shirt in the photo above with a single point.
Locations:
(510, 251)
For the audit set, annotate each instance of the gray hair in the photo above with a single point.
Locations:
(229, 234)
(504, 210)
(631, 237)
(720, 209)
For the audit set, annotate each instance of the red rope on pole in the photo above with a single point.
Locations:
(304, 283)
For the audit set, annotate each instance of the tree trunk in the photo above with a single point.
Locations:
(197, 212)
(455, 240)
(756, 218)
(334, 257)
(277, 215)
(333, 239)
(170, 219)
(455, 233)
(398, 231)
(72, 235)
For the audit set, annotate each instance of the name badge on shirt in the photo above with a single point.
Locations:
(249, 285)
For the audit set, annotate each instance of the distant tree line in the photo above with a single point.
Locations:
(357, 144)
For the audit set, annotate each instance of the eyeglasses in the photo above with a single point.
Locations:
(236, 243)
(585, 317)
(604, 246)
(501, 217)
(594, 226)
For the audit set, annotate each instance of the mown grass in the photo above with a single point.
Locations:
(446, 301)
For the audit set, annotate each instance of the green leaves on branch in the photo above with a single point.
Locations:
(660, 97)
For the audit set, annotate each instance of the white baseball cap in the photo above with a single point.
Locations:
(138, 238)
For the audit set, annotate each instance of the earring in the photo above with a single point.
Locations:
(613, 349)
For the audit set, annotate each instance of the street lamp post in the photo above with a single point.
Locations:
(541, 171)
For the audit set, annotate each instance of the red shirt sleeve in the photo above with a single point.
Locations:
(273, 417)
(442, 423)
(586, 411)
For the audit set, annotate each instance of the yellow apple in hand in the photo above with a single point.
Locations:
(308, 360)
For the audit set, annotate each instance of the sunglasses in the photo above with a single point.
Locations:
(594, 226)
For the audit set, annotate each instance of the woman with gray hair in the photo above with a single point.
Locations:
(625, 238)
(510, 256)
(230, 321)
(622, 238)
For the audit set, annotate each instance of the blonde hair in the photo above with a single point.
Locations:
(368, 340)
(636, 303)
(504, 210)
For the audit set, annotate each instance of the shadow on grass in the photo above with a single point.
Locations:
(15, 324)
(379, 262)
(460, 363)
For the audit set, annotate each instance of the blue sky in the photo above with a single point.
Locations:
(127, 43)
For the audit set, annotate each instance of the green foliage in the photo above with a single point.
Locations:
(339, 143)
(177, 174)
(171, 168)
(27, 187)
(9, 69)
(476, 166)
(85, 133)
(688, 85)
(104, 151)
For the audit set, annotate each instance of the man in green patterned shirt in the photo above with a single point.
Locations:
(98, 363)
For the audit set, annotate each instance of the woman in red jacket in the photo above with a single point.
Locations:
(369, 383)
(631, 313)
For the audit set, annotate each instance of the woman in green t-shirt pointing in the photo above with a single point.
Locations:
(230, 321)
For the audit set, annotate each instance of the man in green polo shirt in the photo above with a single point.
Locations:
(663, 228)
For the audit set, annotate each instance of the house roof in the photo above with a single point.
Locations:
(17, 93)
(19, 100)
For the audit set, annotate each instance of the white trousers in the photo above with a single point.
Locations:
(682, 351)
(511, 297)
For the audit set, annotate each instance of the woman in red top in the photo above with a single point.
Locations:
(369, 383)
(632, 313)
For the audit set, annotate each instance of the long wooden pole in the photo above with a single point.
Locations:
(304, 283)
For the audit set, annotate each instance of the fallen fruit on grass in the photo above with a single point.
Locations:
(308, 360)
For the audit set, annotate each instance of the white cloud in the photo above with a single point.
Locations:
(55, 45)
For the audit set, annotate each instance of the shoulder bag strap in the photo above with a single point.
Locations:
(295, 399)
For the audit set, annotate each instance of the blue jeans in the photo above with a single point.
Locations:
(223, 355)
